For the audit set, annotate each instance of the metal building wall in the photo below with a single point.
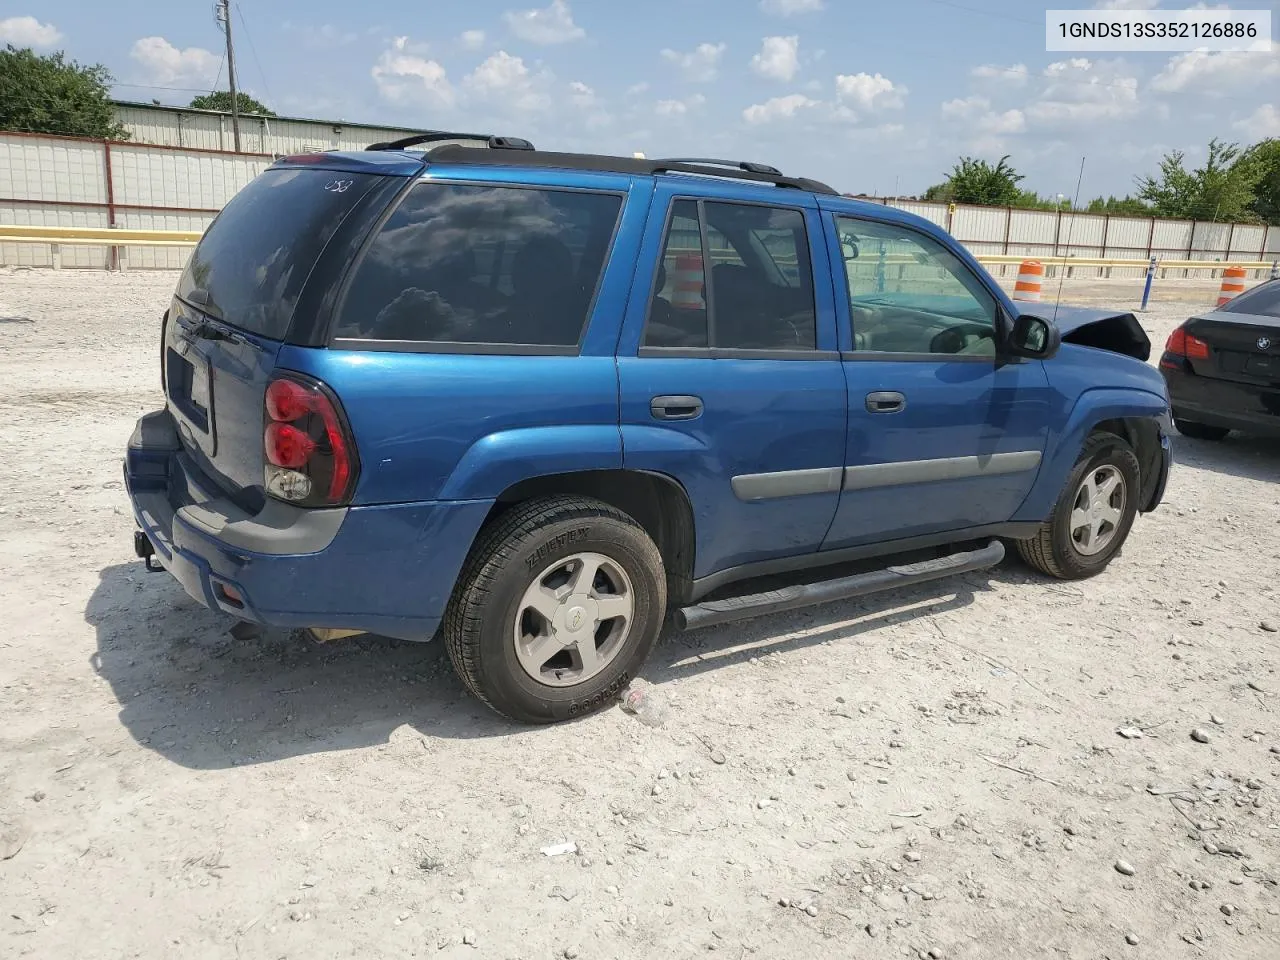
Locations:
(207, 130)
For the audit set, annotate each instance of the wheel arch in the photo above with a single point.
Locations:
(656, 501)
(1133, 415)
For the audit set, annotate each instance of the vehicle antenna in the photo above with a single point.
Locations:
(1062, 274)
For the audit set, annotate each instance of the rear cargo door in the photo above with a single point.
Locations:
(233, 308)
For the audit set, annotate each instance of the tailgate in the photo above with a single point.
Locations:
(215, 378)
(234, 307)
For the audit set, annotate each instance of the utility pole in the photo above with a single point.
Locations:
(224, 17)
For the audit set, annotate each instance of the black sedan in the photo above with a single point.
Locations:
(1223, 368)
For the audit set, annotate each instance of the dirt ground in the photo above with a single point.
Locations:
(930, 774)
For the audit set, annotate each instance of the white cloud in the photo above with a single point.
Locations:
(548, 25)
(778, 108)
(789, 8)
(778, 59)
(638, 88)
(868, 92)
(28, 32)
(1201, 72)
(964, 109)
(1126, 4)
(1081, 91)
(166, 64)
(700, 64)
(506, 80)
(678, 108)
(1015, 75)
(977, 115)
(472, 39)
(1263, 122)
(404, 77)
(1010, 121)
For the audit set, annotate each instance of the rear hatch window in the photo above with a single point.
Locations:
(234, 304)
(479, 264)
(253, 260)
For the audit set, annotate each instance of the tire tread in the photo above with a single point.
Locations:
(1038, 551)
(493, 548)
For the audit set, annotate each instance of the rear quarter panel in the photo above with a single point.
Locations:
(1088, 386)
(465, 426)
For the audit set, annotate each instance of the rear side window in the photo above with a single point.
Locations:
(250, 265)
(758, 293)
(473, 264)
(1262, 301)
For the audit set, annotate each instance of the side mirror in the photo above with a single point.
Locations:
(1033, 337)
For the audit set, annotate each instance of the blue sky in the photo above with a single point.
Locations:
(875, 97)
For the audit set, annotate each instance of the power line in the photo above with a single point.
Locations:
(254, 50)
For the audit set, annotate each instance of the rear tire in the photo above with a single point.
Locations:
(557, 607)
(1093, 515)
(1201, 431)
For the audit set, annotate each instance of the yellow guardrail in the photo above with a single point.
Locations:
(98, 236)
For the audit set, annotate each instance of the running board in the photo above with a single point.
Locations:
(712, 612)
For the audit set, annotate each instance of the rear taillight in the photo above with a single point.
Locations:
(164, 335)
(1184, 345)
(311, 458)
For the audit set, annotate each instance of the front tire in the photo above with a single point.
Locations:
(1200, 431)
(1093, 515)
(558, 605)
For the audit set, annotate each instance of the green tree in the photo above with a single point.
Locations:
(1120, 207)
(220, 100)
(1221, 190)
(1264, 161)
(976, 181)
(54, 95)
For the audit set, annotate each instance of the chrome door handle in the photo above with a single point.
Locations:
(886, 401)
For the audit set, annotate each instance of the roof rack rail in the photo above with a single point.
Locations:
(437, 136)
(747, 165)
(735, 170)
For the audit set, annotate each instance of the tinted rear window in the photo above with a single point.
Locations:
(253, 260)
(462, 263)
(1261, 301)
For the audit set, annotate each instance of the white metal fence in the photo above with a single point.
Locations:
(70, 182)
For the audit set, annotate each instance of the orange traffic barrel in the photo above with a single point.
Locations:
(688, 282)
(1030, 276)
(1232, 284)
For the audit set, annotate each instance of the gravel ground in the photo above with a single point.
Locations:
(935, 773)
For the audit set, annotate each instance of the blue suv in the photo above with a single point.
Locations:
(535, 402)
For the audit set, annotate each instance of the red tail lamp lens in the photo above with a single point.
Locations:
(287, 446)
(287, 400)
(310, 453)
(1183, 344)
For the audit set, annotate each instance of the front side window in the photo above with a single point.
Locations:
(469, 263)
(909, 294)
(758, 292)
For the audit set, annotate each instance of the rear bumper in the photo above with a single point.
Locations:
(1222, 403)
(383, 569)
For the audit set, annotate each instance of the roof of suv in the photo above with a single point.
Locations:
(486, 150)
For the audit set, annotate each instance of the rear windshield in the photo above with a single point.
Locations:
(463, 263)
(1262, 301)
(253, 260)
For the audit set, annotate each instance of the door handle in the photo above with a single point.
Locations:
(886, 401)
(676, 408)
